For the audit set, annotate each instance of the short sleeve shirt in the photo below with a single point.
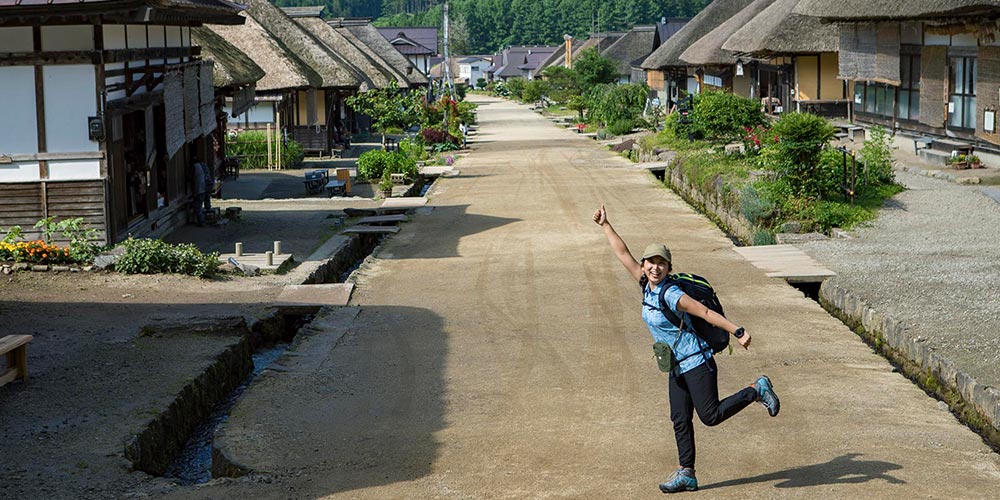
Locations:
(690, 349)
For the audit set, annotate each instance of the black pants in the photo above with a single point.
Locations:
(698, 389)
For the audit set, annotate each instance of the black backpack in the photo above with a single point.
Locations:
(699, 289)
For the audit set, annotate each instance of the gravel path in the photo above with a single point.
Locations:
(932, 258)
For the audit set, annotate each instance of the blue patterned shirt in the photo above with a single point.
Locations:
(690, 349)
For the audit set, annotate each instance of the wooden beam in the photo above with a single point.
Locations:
(43, 166)
(82, 155)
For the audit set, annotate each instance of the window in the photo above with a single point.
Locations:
(908, 97)
(713, 81)
(962, 88)
(875, 98)
(475, 68)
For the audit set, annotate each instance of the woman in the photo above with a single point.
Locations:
(694, 380)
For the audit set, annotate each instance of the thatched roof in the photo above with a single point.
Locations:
(777, 30)
(233, 68)
(871, 10)
(401, 80)
(376, 75)
(633, 45)
(714, 14)
(282, 69)
(334, 71)
(378, 44)
(708, 49)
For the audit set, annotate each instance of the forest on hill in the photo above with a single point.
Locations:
(484, 26)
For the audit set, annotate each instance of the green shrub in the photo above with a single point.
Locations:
(608, 104)
(621, 127)
(829, 214)
(515, 87)
(399, 163)
(534, 90)
(721, 115)
(876, 156)
(251, 148)
(372, 163)
(756, 209)
(150, 256)
(797, 154)
(763, 237)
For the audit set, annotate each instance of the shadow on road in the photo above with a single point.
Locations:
(446, 226)
(841, 470)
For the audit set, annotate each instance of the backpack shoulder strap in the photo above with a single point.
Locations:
(664, 308)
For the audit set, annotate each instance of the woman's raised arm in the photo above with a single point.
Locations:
(618, 246)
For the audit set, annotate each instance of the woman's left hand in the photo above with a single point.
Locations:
(744, 340)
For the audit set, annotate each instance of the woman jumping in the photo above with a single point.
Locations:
(693, 378)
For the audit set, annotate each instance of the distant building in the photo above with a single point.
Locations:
(472, 68)
(419, 45)
(519, 61)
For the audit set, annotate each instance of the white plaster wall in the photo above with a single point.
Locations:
(17, 86)
(157, 35)
(62, 170)
(136, 35)
(932, 39)
(262, 112)
(19, 172)
(964, 40)
(174, 36)
(185, 36)
(17, 39)
(67, 38)
(70, 97)
(114, 36)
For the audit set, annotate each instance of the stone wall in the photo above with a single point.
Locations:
(712, 203)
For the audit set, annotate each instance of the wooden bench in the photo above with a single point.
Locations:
(921, 141)
(16, 349)
(336, 188)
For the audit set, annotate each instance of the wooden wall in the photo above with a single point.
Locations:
(25, 203)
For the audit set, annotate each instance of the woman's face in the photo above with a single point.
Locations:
(656, 269)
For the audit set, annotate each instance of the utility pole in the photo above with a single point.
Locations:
(447, 60)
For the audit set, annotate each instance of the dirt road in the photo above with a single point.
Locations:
(496, 350)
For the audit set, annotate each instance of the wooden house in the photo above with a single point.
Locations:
(717, 69)
(922, 66)
(417, 44)
(631, 46)
(107, 106)
(363, 31)
(792, 60)
(666, 73)
(310, 112)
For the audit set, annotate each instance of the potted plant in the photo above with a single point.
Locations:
(385, 185)
(974, 161)
(958, 162)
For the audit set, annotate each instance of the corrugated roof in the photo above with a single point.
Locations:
(425, 36)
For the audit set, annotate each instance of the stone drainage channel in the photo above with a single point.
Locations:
(177, 443)
(975, 405)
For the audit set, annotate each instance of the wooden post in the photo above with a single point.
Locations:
(278, 139)
(267, 139)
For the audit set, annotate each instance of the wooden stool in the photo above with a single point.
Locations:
(16, 349)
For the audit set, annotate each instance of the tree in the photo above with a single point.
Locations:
(594, 69)
(564, 83)
(388, 107)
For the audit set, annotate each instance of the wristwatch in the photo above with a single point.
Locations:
(739, 332)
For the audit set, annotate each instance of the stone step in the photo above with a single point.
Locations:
(934, 157)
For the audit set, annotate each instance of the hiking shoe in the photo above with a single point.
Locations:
(766, 395)
(681, 480)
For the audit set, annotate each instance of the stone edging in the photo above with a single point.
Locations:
(940, 174)
(712, 204)
(41, 268)
(976, 404)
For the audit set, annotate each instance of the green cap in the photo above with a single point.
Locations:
(657, 249)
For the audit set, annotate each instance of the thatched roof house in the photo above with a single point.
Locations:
(778, 30)
(714, 14)
(631, 46)
(370, 36)
(376, 75)
(282, 68)
(233, 68)
(869, 10)
(332, 69)
(708, 51)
